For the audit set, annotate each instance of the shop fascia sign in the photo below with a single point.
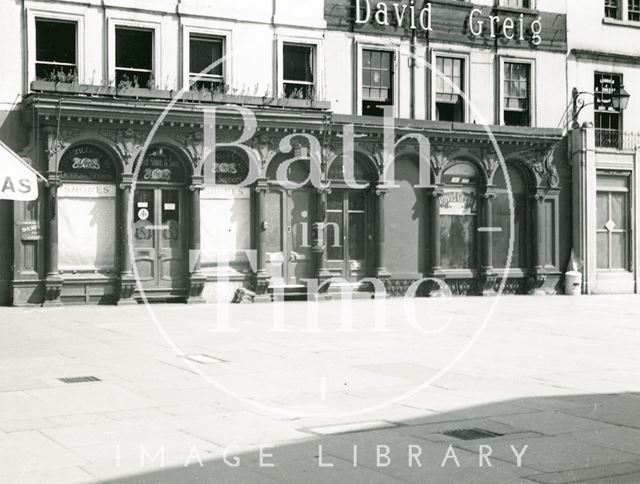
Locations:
(409, 15)
(18, 181)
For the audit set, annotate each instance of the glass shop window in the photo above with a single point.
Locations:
(56, 58)
(204, 51)
(86, 205)
(377, 81)
(458, 217)
(449, 103)
(134, 57)
(502, 214)
(298, 71)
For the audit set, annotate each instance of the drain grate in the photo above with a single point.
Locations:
(79, 379)
(471, 434)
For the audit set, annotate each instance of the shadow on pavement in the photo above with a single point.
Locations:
(557, 439)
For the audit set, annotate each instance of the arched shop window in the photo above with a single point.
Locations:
(87, 211)
(225, 213)
(502, 218)
(458, 217)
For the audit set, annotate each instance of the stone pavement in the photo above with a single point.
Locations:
(547, 389)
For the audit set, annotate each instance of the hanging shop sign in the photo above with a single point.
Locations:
(18, 181)
(458, 202)
(87, 163)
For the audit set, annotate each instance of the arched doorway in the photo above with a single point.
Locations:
(350, 229)
(160, 224)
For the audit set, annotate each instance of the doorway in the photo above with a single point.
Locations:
(289, 230)
(159, 238)
(348, 233)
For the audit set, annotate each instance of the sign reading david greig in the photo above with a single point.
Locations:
(409, 15)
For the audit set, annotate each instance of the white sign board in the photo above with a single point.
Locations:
(18, 181)
(458, 202)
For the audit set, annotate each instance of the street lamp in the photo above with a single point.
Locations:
(619, 101)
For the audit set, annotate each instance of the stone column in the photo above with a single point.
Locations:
(435, 268)
(538, 276)
(381, 270)
(488, 276)
(53, 279)
(320, 242)
(262, 275)
(197, 279)
(127, 279)
(435, 289)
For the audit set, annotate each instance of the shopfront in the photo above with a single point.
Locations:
(179, 224)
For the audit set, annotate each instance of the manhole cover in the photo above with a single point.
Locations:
(471, 434)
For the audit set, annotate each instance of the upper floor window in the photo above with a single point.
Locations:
(634, 10)
(622, 10)
(517, 94)
(517, 3)
(608, 119)
(204, 51)
(449, 83)
(134, 56)
(298, 76)
(611, 9)
(377, 81)
(56, 45)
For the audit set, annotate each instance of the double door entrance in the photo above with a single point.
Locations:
(159, 239)
(347, 235)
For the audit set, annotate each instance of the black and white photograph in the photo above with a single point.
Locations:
(320, 241)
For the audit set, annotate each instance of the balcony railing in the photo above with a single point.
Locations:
(617, 140)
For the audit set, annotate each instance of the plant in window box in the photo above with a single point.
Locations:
(59, 80)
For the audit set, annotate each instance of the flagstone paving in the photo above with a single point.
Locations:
(343, 391)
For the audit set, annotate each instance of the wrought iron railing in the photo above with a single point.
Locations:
(618, 140)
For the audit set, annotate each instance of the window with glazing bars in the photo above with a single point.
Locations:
(517, 94)
(377, 81)
(611, 9)
(608, 119)
(449, 101)
(634, 10)
(516, 3)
